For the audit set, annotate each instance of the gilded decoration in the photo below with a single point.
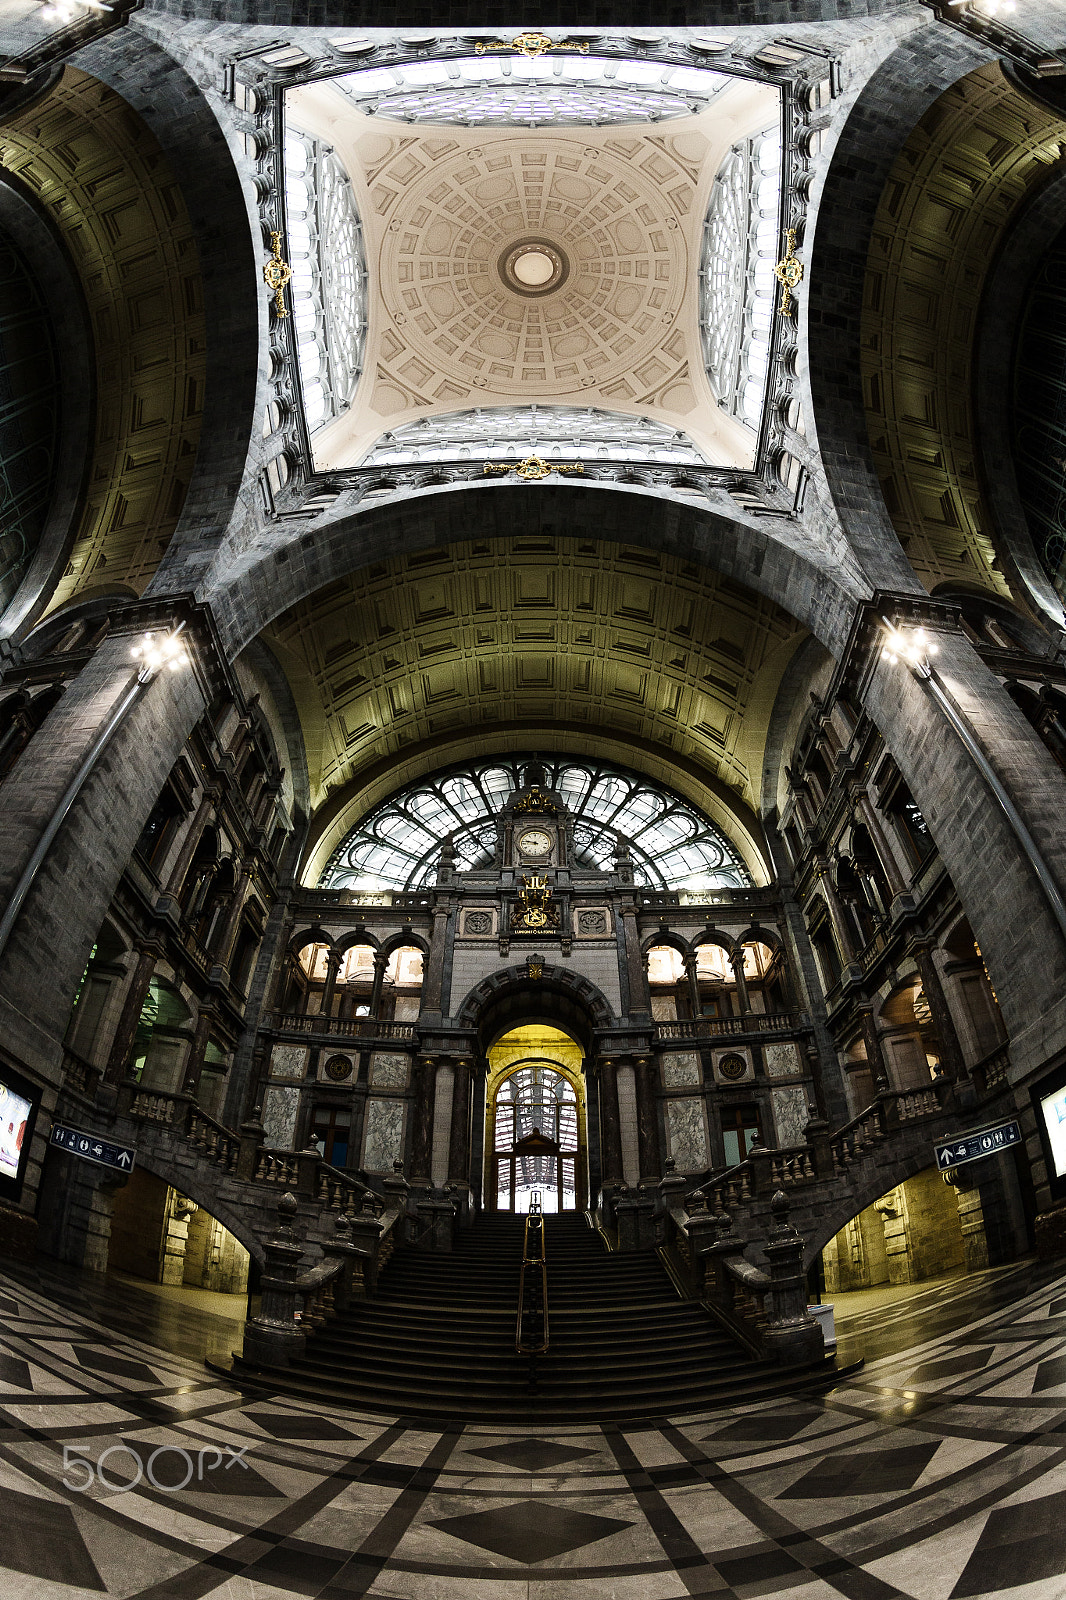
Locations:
(531, 45)
(789, 272)
(532, 469)
(535, 909)
(535, 801)
(276, 274)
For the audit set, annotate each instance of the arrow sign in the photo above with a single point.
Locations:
(90, 1148)
(975, 1146)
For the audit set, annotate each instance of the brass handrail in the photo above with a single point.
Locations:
(536, 1343)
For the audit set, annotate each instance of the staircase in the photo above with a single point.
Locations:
(438, 1338)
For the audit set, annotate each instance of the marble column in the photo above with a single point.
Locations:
(610, 1123)
(736, 961)
(198, 1050)
(874, 1053)
(885, 853)
(459, 1141)
(424, 1085)
(649, 1154)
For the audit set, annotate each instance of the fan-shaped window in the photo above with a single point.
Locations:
(672, 845)
(740, 243)
(555, 433)
(510, 89)
(325, 251)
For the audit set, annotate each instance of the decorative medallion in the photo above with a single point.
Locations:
(535, 967)
(732, 1067)
(276, 274)
(531, 45)
(338, 1068)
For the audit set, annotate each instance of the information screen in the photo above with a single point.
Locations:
(1053, 1110)
(14, 1117)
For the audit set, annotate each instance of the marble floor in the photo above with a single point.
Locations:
(937, 1472)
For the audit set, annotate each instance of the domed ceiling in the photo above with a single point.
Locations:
(613, 214)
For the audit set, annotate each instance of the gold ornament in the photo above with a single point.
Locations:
(535, 903)
(789, 272)
(532, 468)
(276, 274)
(531, 45)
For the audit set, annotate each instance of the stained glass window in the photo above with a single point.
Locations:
(325, 251)
(673, 845)
(740, 245)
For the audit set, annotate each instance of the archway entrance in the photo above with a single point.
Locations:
(535, 1132)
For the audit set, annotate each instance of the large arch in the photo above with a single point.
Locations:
(514, 996)
(775, 556)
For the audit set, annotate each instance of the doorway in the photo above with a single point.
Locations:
(535, 1134)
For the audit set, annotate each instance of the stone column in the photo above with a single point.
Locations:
(122, 1044)
(647, 1121)
(610, 1122)
(433, 977)
(200, 1040)
(229, 937)
(836, 912)
(874, 1053)
(885, 853)
(693, 984)
(736, 961)
(639, 993)
(459, 1142)
(380, 963)
(951, 1056)
(333, 966)
(204, 812)
(425, 1087)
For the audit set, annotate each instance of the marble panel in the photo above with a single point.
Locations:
(790, 1114)
(686, 1130)
(383, 1136)
(733, 1065)
(280, 1108)
(782, 1060)
(388, 1071)
(442, 1123)
(592, 922)
(627, 1118)
(682, 1071)
(289, 1060)
(664, 1008)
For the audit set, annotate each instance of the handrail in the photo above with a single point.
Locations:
(533, 1255)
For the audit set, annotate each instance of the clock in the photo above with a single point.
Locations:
(535, 842)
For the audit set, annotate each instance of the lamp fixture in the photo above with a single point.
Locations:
(159, 650)
(912, 645)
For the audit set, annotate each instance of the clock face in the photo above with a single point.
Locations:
(535, 843)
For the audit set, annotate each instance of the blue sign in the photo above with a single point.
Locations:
(90, 1148)
(975, 1146)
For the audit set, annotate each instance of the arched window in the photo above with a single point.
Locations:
(673, 845)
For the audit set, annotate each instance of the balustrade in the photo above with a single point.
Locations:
(341, 1027)
(729, 1027)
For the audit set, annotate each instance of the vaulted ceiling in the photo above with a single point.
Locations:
(952, 196)
(584, 646)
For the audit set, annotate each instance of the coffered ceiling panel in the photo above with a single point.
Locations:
(619, 646)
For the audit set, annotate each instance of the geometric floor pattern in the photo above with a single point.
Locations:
(127, 1469)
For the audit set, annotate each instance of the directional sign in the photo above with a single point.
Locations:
(974, 1146)
(90, 1148)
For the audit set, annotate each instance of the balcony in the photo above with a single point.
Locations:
(755, 1024)
(359, 1028)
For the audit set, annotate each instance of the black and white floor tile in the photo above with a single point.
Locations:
(938, 1472)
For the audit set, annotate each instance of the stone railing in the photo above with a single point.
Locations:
(243, 1156)
(296, 1303)
(992, 1072)
(340, 1027)
(80, 1075)
(824, 1155)
(729, 1027)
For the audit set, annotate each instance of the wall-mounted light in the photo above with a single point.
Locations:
(912, 645)
(158, 650)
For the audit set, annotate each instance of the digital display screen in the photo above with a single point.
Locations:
(1053, 1110)
(14, 1118)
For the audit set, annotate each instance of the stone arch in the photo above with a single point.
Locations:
(404, 939)
(315, 934)
(200, 1187)
(356, 936)
(818, 1226)
(818, 586)
(664, 936)
(511, 997)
